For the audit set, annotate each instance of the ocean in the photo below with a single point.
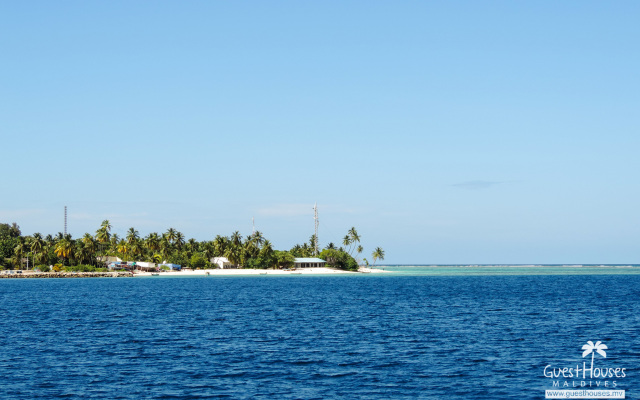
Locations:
(418, 333)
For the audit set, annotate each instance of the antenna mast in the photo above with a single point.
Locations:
(315, 219)
(65, 220)
(253, 222)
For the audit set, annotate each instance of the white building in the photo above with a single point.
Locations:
(222, 262)
(309, 263)
(172, 267)
(143, 265)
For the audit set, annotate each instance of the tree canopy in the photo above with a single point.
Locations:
(93, 250)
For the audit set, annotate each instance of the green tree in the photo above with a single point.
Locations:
(64, 249)
(103, 235)
(37, 247)
(7, 230)
(378, 254)
(339, 259)
(132, 235)
(198, 261)
(284, 259)
(152, 242)
(267, 254)
(7, 246)
(171, 235)
(220, 244)
(179, 242)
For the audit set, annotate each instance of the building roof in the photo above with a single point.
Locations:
(309, 260)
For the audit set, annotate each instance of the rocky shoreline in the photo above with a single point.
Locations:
(118, 274)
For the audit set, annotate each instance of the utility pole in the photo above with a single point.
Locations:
(315, 219)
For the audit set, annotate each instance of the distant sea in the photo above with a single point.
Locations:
(448, 332)
(514, 269)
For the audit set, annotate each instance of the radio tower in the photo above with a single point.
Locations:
(315, 219)
(253, 222)
(65, 220)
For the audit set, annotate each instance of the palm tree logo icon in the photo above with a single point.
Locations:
(592, 349)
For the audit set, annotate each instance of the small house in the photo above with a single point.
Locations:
(222, 262)
(145, 266)
(309, 263)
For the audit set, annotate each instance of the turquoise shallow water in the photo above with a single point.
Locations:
(366, 336)
(497, 270)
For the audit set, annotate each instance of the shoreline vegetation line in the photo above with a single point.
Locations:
(170, 253)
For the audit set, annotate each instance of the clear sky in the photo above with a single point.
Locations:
(444, 131)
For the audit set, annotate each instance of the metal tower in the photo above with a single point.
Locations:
(253, 222)
(65, 220)
(315, 219)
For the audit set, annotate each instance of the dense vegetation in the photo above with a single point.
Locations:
(92, 252)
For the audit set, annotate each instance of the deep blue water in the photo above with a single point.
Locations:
(304, 337)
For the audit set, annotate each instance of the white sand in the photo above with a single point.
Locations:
(299, 271)
(372, 270)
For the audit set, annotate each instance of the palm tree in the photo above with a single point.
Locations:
(268, 254)
(18, 252)
(179, 241)
(236, 238)
(313, 244)
(193, 245)
(296, 251)
(64, 249)
(251, 250)
(37, 246)
(353, 238)
(220, 244)
(114, 241)
(89, 244)
(123, 248)
(82, 253)
(132, 235)
(256, 237)
(171, 235)
(103, 235)
(152, 241)
(346, 241)
(378, 254)
(589, 348)
(359, 250)
(353, 234)
(106, 225)
(207, 249)
(234, 255)
(136, 248)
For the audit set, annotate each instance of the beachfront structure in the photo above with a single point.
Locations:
(172, 267)
(145, 266)
(133, 265)
(309, 263)
(222, 262)
(119, 265)
(108, 259)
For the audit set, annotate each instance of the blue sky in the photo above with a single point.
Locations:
(446, 132)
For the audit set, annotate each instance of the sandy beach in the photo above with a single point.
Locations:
(299, 271)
